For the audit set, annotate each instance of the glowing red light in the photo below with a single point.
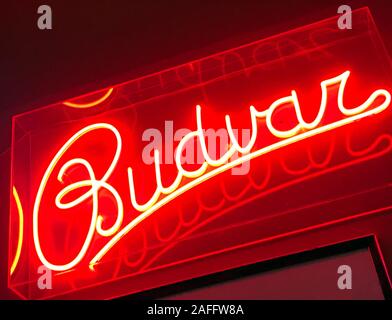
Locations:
(86, 206)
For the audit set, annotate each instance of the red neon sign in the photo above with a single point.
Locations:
(94, 213)
(163, 195)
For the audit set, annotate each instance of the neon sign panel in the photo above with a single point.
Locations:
(209, 168)
(87, 205)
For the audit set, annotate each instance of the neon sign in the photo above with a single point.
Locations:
(163, 195)
(88, 207)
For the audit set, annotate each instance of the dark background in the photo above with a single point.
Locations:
(97, 43)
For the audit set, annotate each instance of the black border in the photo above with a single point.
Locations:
(368, 242)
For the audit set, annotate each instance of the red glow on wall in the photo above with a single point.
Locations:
(88, 207)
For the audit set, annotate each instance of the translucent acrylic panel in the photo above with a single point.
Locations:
(91, 204)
